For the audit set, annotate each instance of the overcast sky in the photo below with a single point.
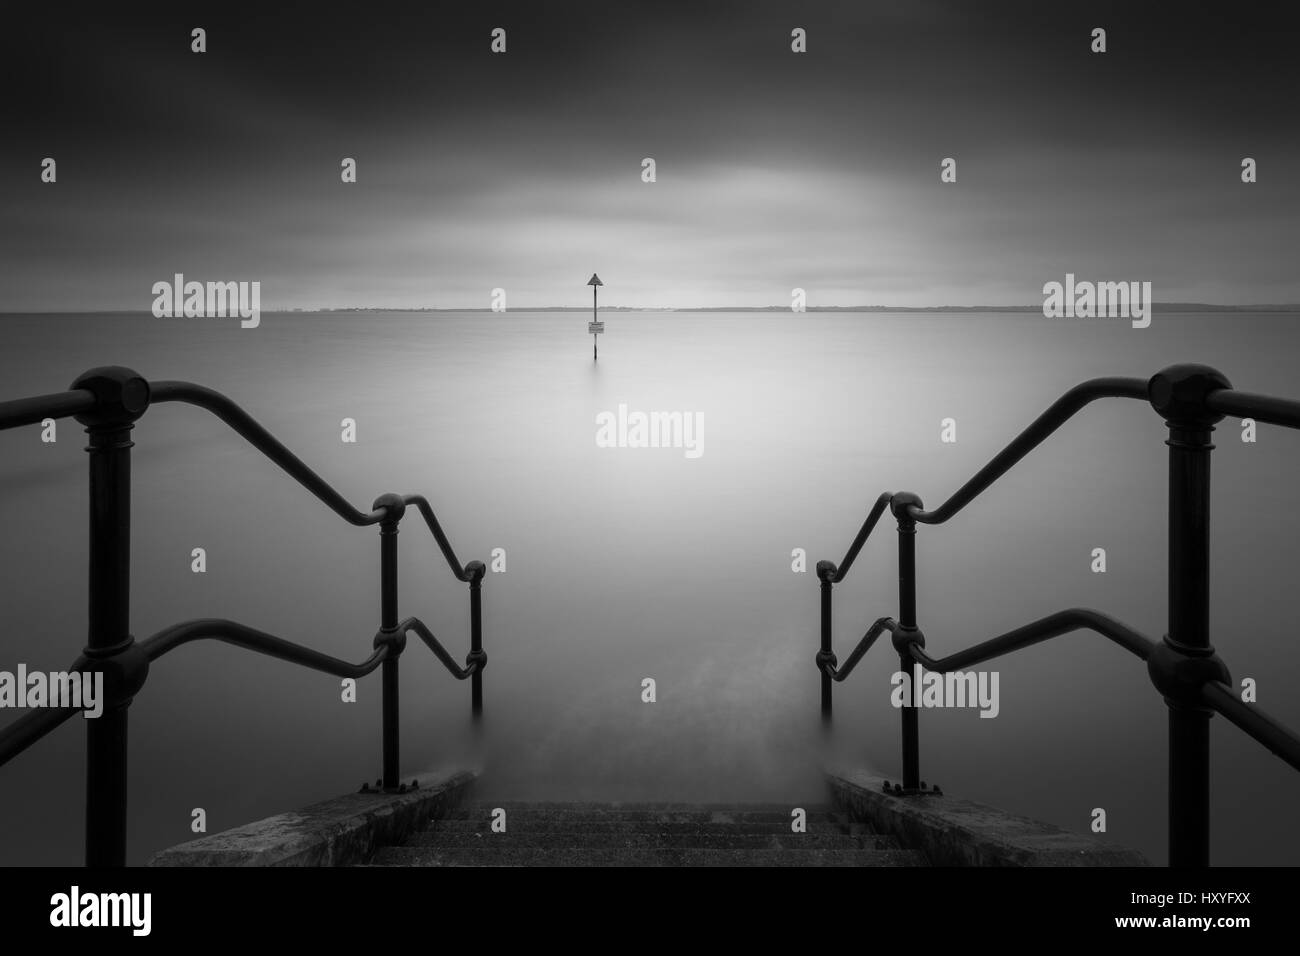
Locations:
(775, 169)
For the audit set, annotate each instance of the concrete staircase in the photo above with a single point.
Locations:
(432, 822)
(613, 834)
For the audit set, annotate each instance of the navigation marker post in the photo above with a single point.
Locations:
(595, 327)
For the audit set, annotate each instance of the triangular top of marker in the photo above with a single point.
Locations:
(595, 280)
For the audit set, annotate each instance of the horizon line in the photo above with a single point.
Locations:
(1168, 306)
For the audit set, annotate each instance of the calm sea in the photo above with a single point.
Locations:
(626, 564)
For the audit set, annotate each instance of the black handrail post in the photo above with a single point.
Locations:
(907, 634)
(1186, 658)
(475, 571)
(826, 571)
(122, 396)
(390, 634)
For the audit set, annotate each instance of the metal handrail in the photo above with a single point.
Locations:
(251, 639)
(1221, 698)
(1038, 431)
(1035, 632)
(31, 727)
(463, 573)
(1262, 408)
(1184, 667)
(108, 401)
(29, 411)
(1061, 411)
(827, 664)
(472, 665)
(873, 516)
(249, 428)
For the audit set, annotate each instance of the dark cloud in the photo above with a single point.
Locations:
(775, 170)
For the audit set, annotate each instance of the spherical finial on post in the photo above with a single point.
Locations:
(900, 506)
(1178, 393)
(474, 572)
(393, 506)
(122, 395)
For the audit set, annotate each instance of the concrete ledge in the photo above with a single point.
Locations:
(953, 832)
(338, 832)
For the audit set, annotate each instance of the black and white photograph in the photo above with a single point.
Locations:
(648, 436)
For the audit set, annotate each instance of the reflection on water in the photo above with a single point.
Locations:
(633, 563)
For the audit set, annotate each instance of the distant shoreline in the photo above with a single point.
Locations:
(1166, 307)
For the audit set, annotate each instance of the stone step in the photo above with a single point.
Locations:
(715, 837)
(646, 834)
(533, 816)
(523, 856)
(785, 808)
(579, 824)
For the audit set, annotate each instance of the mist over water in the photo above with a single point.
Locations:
(624, 564)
